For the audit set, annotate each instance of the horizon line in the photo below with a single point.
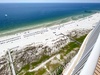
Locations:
(49, 2)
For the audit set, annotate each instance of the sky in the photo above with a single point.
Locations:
(50, 1)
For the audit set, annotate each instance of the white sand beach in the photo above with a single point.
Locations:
(45, 35)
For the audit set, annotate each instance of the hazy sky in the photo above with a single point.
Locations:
(49, 1)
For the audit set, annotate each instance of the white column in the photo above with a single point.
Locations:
(90, 65)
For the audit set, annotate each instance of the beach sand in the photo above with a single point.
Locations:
(45, 35)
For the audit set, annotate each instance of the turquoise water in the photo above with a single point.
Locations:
(15, 16)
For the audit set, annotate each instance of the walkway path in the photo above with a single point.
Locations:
(43, 64)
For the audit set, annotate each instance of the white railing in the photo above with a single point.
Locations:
(11, 63)
(90, 65)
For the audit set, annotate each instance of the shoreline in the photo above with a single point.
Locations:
(44, 24)
(45, 35)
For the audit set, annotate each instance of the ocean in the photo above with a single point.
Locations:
(22, 15)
